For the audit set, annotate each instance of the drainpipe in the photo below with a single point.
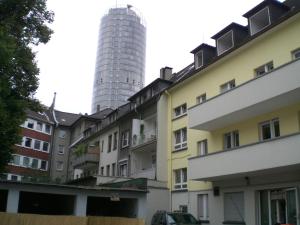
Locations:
(168, 145)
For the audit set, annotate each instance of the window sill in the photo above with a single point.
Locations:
(204, 221)
(180, 190)
(179, 150)
(234, 222)
(178, 117)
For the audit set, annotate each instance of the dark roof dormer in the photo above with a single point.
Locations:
(264, 14)
(203, 55)
(230, 37)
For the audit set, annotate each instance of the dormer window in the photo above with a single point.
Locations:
(259, 21)
(225, 42)
(199, 59)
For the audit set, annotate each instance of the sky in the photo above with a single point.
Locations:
(174, 28)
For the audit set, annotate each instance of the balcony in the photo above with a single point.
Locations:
(276, 89)
(142, 139)
(262, 158)
(88, 159)
(148, 173)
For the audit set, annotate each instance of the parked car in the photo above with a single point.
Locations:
(173, 218)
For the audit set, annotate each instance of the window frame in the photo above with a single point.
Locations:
(254, 17)
(183, 143)
(180, 110)
(61, 168)
(201, 144)
(271, 123)
(295, 53)
(125, 139)
(198, 56)
(182, 184)
(227, 86)
(234, 142)
(263, 69)
(220, 42)
(201, 98)
(204, 215)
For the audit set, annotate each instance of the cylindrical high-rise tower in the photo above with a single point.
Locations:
(120, 63)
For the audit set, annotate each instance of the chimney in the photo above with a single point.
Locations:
(166, 73)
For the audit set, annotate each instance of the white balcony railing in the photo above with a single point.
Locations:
(143, 138)
(276, 89)
(275, 155)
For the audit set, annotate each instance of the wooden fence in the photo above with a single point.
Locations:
(33, 219)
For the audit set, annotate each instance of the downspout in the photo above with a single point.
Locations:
(169, 99)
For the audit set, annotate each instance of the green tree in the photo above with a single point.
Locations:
(23, 24)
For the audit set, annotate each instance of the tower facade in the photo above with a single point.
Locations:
(120, 63)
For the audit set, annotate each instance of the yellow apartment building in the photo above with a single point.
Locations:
(233, 122)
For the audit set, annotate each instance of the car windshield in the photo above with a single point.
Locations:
(180, 218)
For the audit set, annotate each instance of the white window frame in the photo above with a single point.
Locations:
(272, 128)
(296, 54)
(31, 142)
(123, 167)
(201, 98)
(180, 110)
(204, 215)
(125, 139)
(59, 165)
(182, 144)
(255, 17)
(234, 142)
(40, 165)
(220, 41)
(182, 184)
(263, 69)
(61, 149)
(227, 86)
(62, 134)
(199, 59)
(202, 147)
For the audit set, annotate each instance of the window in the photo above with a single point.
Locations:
(48, 128)
(269, 129)
(278, 206)
(113, 166)
(61, 149)
(59, 165)
(109, 143)
(263, 69)
(225, 42)
(227, 86)
(203, 207)
(37, 144)
(199, 59)
(296, 54)
(16, 160)
(43, 165)
(200, 99)
(108, 170)
(231, 140)
(102, 170)
(234, 207)
(14, 177)
(180, 178)
(180, 110)
(34, 163)
(125, 139)
(26, 161)
(45, 146)
(62, 134)
(183, 208)
(115, 146)
(259, 21)
(28, 142)
(30, 124)
(123, 170)
(202, 147)
(39, 126)
(180, 139)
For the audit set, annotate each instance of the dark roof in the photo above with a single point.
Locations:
(182, 73)
(101, 114)
(38, 116)
(264, 4)
(66, 119)
(202, 46)
(158, 80)
(232, 26)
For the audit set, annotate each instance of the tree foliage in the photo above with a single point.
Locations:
(23, 24)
